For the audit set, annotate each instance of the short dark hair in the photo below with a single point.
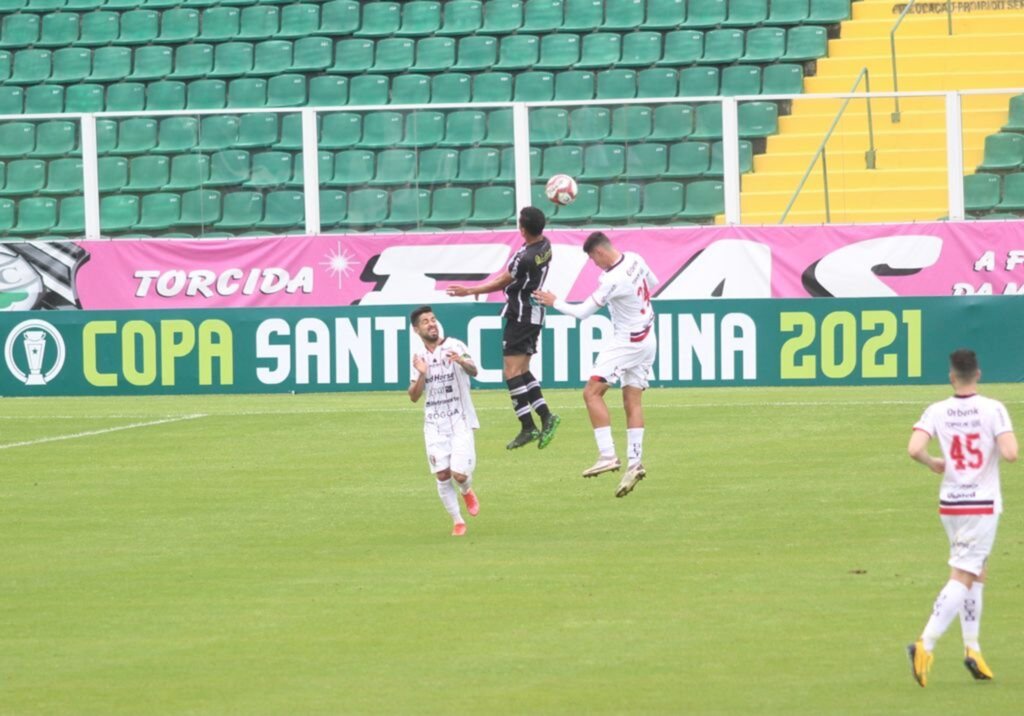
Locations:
(964, 363)
(532, 220)
(415, 315)
(596, 239)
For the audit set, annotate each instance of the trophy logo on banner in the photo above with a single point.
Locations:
(34, 352)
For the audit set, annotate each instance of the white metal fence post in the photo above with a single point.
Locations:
(521, 154)
(90, 177)
(955, 156)
(731, 159)
(311, 171)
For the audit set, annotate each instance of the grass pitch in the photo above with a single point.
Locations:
(289, 555)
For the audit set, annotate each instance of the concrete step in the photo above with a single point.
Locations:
(913, 46)
(849, 122)
(843, 215)
(920, 160)
(935, 26)
(881, 65)
(890, 11)
(934, 140)
(997, 78)
(841, 178)
(970, 103)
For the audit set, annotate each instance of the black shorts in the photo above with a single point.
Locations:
(520, 339)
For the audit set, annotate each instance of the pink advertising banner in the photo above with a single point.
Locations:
(934, 259)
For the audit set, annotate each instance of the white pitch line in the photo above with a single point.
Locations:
(72, 436)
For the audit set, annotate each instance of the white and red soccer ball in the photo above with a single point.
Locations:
(561, 189)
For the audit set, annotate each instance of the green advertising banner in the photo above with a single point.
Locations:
(700, 343)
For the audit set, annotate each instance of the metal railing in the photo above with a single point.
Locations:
(869, 155)
(892, 50)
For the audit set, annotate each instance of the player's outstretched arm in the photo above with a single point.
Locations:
(416, 386)
(1007, 443)
(917, 448)
(576, 310)
(495, 284)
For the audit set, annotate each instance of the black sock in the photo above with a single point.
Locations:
(534, 397)
(520, 402)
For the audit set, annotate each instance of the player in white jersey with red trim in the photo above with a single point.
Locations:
(442, 370)
(974, 432)
(625, 288)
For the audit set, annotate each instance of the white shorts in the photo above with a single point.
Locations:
(629, 363)
(970, 540)
(455, 450)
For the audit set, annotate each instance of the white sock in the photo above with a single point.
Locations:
(466, 486)
(605, 443)
(635, 440)
(449, 499)
(947, 606)
(970, 617)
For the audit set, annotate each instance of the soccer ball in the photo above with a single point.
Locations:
(561, 189)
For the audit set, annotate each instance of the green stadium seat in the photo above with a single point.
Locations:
(672, 123)
(746, 13)
(229, 168)
(352, 56)
(19, 30)
(409, 207)
(665, 14)
(177, 134)
(662, 200)
(623, 15)
(152, 62)
(788, 12)
(311, 54)
(382, 130)
(562, 159)
(682, 48)
(1016, 118)
(286, 91)
(518, 52)
(284, 209)
(708, 122)
(507, 174)
(31, 67)
(220, 24)
(764, 45)
(603, 161)
(480, 165)
(502, 17)
(600, 50)
(464, 128)
(451, 206)
(36, 215)
(437, 166)
(493, 206)
(5, 64)
(194, 60)
(583, 16)
(395, 167)
(188, 172)
(111, 64)
(56, 138)
(657, 82)
(616, 84)
(17, 139)
(12, 100)
(394, 54)
(257, 130)
(247, 92)
(746, 151)
(424, 129)
(366, 208)
(380, 19)
(758, 119)
(619, 202)
(44, 99)
(588, 125)
(534, 87)
(632, 123)
(106, 136)
(84, 98)
(242, 210)
(325, 170)
(139, 27)
(722, 47)
(339, 18)
(200, 207)
(640, 49)
(341, 130)
(333, 207)
(328, 91)
(688, 159)
(434, 54)
(206, 94)
(559, 51)
(299, 20)
(165, 95)
(741, 80)
(829, 12)
(126, 97)
(259, 22)
(12, 5)
(804, 43)
(178, 25)
(159, 212)
(352, 167)
(123, 4)
(1013, 192)
(499, 127)
(704, 200)
(492, 87)
(646, 161)
(981, 192)
(542, 16)
(706, 14)
(272, 57)
(420, 18)
(231, 59)
(217, 132)
(148, 173)
(24, 176)
(72, 216)
(410, 88)
(581, 210)
(574, 85)
(44, 6)
(118, 213)
(7, 213)
(71, 64)
(548, 125)
(369, 90)
(698, 82)
(59, 29)
(462, 17)
(1003, 151)
(783, 79)
(476, 52)
(98, 29)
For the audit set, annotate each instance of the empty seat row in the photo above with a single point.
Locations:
(985, 192)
